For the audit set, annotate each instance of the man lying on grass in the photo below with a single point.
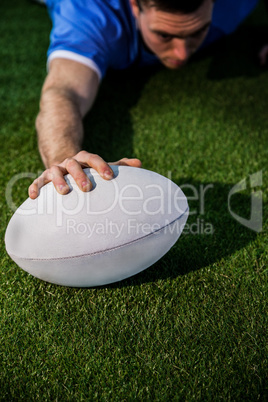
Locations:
(87, 38)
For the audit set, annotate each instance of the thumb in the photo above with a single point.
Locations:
(134, 162)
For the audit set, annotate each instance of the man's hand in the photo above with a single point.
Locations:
(67, 95)
(263, 55)
(75, 166)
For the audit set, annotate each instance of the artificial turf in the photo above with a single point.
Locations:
(194, 325)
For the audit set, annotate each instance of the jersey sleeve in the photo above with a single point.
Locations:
(81, 31)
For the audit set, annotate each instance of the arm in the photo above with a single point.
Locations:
(67, 95)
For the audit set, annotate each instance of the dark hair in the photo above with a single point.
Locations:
(183, 6)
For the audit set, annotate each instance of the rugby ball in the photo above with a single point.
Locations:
(85, 239)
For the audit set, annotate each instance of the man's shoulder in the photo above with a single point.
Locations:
(101, 30)
(103, 19)
(101, 10)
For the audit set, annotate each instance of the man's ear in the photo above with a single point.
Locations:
(135, 8)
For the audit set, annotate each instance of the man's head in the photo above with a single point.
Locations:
(173, 29)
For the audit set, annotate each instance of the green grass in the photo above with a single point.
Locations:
(194, 325)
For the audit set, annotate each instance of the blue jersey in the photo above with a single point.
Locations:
(103, 34)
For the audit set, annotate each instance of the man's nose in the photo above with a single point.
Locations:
(181, 49)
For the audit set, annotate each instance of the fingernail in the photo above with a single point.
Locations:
(32, 193)
(86, 185)
(107, 174)
(63, 188)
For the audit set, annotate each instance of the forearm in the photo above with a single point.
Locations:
(59, 127)
(68, 94)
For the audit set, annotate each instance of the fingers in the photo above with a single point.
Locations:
(74, 166)
(76, 171)
(54, 174)
(33, 190)
(128, 162)
(96, 162)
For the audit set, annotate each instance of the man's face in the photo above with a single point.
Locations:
(173, 37)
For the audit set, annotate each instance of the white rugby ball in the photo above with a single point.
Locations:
(116, 230)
